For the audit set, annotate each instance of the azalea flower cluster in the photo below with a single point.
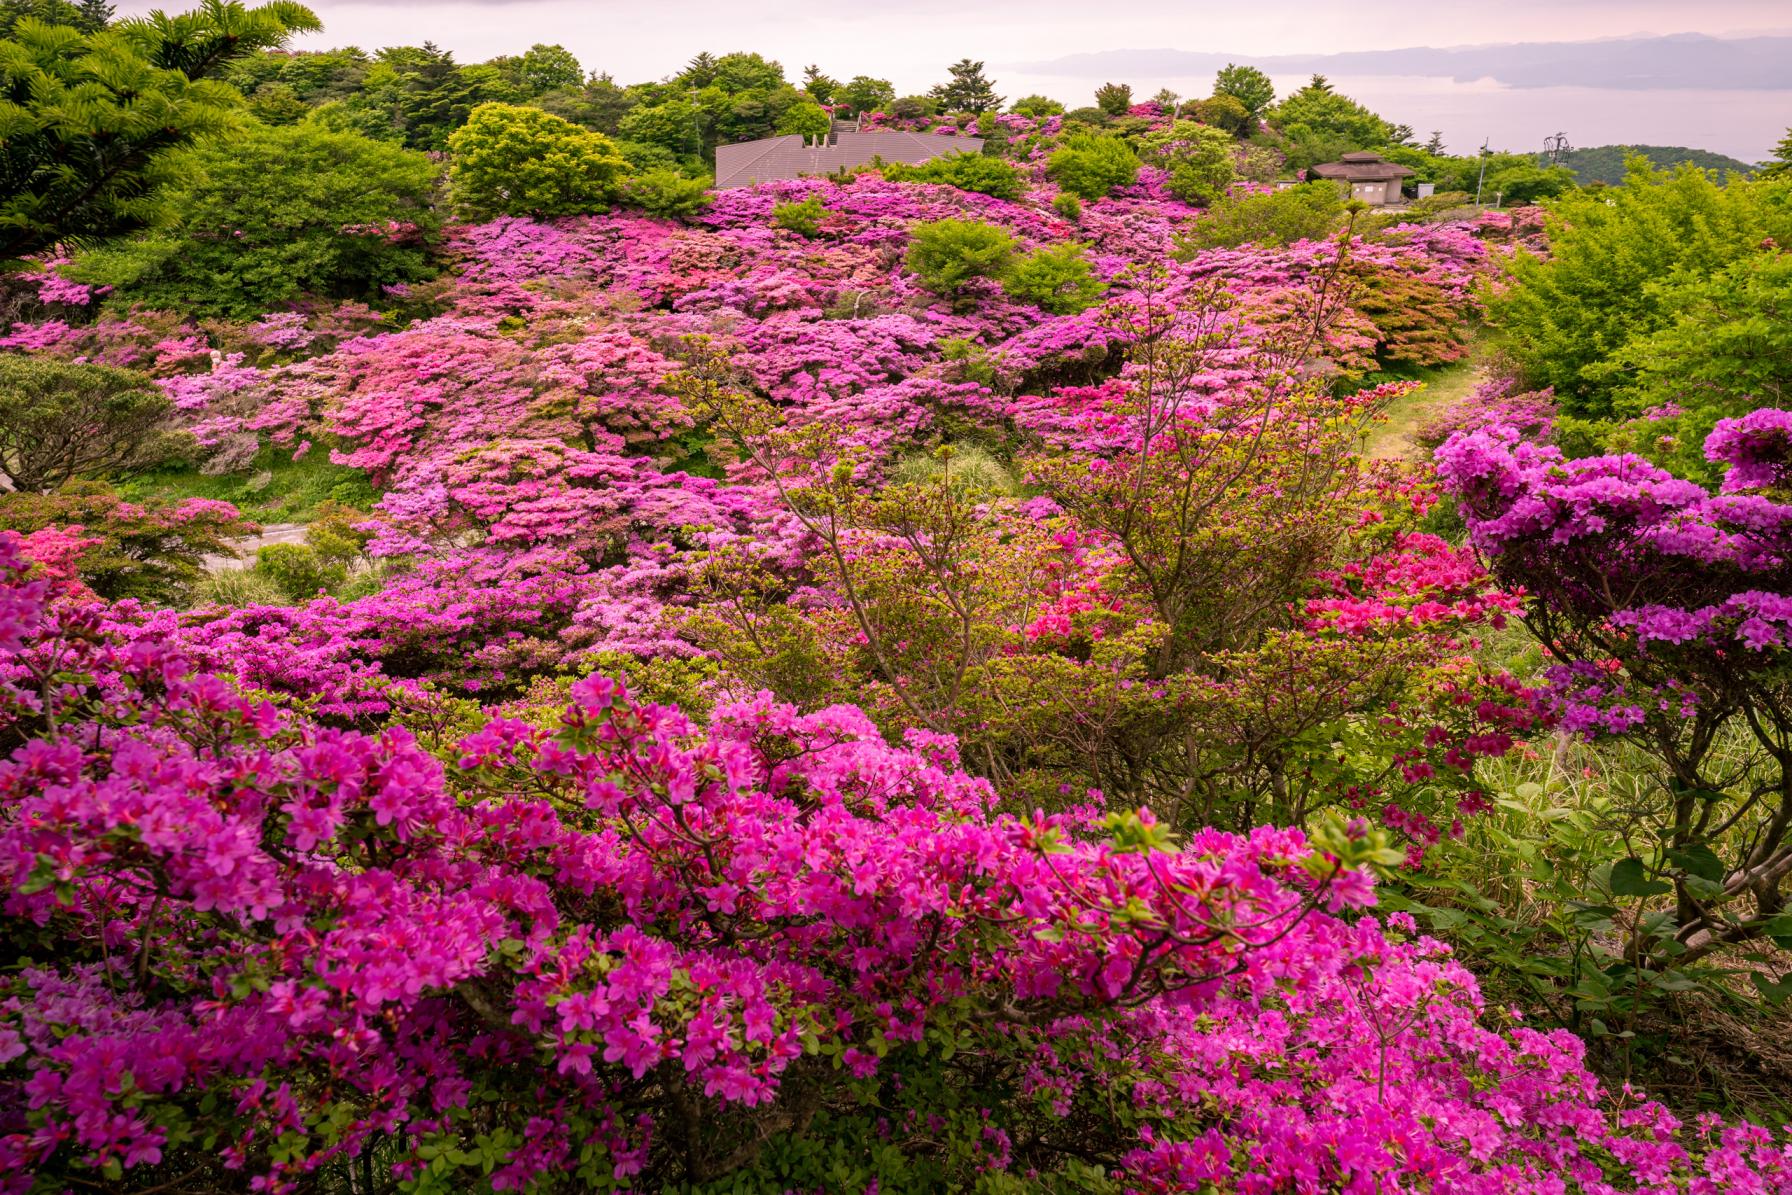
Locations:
(605, 952)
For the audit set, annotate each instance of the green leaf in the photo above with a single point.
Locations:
(1630, 878)
(1699, 860)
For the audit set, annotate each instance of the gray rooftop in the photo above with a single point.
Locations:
(750, 162)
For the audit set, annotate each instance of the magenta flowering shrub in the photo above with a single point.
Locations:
(1667, 610)
(618, 951)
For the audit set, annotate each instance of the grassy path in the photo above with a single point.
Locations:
(1443, 386)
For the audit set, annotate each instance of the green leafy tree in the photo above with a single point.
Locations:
(1113, 98)
(664, 192)
(1248, 85)
(86, 118)
(1055, 278)
(967, 90)
(1615, 258)
(598, 105)
(1322, 124)
(434, 96)
(807, 119)
(913, 107)
(60, 420)
(865, 94)
(276, 215)
(1724, 349)
(1090, 165)
(517, 161)
(1527, 183)
(820, 85)
(675, 125)
(947, 254)
(89, 16)
(700, 71)
(277, 104)
(1036, 106)
(1307, 212)
(542, 69)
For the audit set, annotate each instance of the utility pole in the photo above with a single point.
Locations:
(1556, 148)
(1483, 177)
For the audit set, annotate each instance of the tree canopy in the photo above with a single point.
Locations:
(85, 118)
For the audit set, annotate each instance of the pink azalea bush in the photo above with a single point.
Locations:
(602, 953)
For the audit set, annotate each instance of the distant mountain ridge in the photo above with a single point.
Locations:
(1682, 60)
(1605, 163)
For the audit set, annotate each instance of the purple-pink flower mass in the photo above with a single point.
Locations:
(881, 682)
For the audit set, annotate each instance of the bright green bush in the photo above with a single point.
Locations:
(949, 253)
(277, 214)
(805, 120)
(664, 192)
(1036, 106)
(516, 161)
(1202, 160)
(1616, 259)
(298, 570)
(1305, 212)
(1054, 278)
(803, 218)
(1090, 166)
(1068, 206)
(967, 172)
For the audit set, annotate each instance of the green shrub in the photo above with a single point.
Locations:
(298, 570)
(946, 254)
(60, 420)
(1305, 212)
(277, 214)
(1225, 113)
(1616, 257)
(803, 218)
(1202, 160)
(1090, 166)
(1054, 278)
(1088, 116)
(967, 172)
(515, 161)
(805, 120)
(1036, 106)
(667, 193)
(1068, 206)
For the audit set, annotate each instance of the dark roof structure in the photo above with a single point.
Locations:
(1360, 167)
(793, 156)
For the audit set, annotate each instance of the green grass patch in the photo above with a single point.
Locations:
(275, 489)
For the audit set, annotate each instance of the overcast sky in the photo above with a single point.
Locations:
(911, 41)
